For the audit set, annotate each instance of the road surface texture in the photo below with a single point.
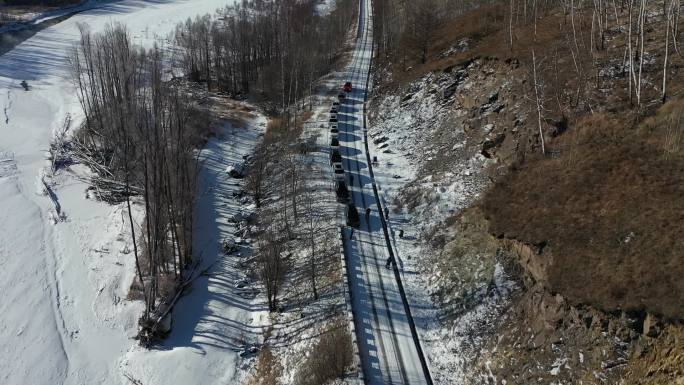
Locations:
(390, 352)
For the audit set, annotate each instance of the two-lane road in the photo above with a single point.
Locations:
(389, 350)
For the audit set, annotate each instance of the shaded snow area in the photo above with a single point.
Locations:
(428, 170)
(65, 260)
(223, 314)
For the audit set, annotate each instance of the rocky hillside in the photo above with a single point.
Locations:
(541, 178)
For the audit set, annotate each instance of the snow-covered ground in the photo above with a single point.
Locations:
(64, 317)
(222, 314)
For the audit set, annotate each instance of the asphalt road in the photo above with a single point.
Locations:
(389, 350)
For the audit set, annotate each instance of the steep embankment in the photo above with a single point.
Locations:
(559, 260)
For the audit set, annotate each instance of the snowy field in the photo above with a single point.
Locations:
(64, 317)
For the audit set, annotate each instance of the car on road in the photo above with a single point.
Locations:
(341, 96)
(342, 191)
(339, 171)
(335, 157)
(332, 120)
(352, 215)
(347, 87)
(334, 132)
(336, 106)
(335, 144)
(333, 114)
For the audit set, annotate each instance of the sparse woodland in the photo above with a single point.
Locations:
(547, 37)
(137, 138)
(578, 106)
(273, 52)
(269, 51)
(142, 131)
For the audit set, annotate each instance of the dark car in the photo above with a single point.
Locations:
(334, 144)
(341, 96)
(342, 192)
(353, 219)
(347, 87)
(334, 132)
(335, 157)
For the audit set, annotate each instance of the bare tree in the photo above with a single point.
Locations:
(316, 229)
(137, 140)
(538, 100)
(255, 183)
(272, 264)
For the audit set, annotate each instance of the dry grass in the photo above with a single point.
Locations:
(274, 124)
(329, 359)
(268, 369)
(608, 211)
(570, 75)
(606, 205)
(659, 361)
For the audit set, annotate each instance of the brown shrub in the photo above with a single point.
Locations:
(329, 359)
(274, 124)
(268, 369)
(610, 220)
